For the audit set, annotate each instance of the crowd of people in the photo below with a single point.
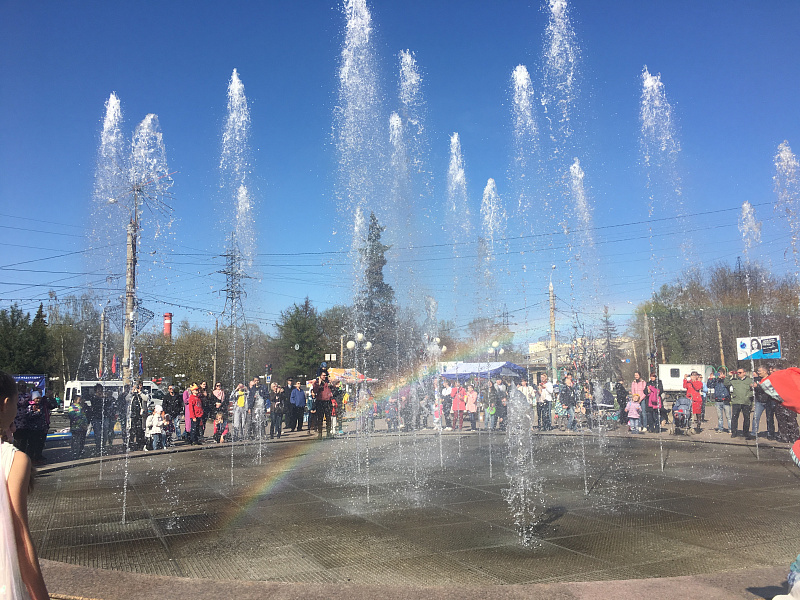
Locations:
(256, 410)
(145, 422)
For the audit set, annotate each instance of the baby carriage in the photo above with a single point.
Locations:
(681, 416)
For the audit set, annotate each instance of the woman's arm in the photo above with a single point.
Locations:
(18, 481)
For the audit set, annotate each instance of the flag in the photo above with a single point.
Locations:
(141, 365)
(114, 365)
(784, 387)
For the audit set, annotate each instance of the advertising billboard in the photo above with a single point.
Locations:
(765, 346)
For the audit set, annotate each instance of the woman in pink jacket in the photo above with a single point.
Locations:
(472, 407)
(458, 394)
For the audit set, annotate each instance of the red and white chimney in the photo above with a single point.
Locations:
(168, 325)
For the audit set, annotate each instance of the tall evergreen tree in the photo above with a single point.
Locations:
(299, 342)
(611, 356)
(14, 326)
(37, 345)
(376, 312)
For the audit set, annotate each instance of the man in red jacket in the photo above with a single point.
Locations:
(693, 385)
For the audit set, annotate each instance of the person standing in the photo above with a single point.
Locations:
(722, 400)
(298, 402)
(653, 391)
(693, 386)
(220, 402)
(155, 427)
(529, 394)
(21, 575)
(276, 398)
(138, 410)
(78, 424)
(763, 404)
(637, 388)
(458, 394)
(544, 404)
(172, 406)
(207, 401)
(258, 401)
(569, 400)
(621, 393)
(187, 420)
(239, 399)
(741, 401)
(472, 407)
(95, 413)
(195, 405)
(323, 407)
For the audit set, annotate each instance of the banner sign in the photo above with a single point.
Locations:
(766, 346)
(37, 381)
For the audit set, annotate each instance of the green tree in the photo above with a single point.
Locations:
(37, 345)
(611, 357)
(298, 342)
(14, 326)
(375, 309)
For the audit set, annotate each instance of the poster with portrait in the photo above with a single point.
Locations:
(765, 346)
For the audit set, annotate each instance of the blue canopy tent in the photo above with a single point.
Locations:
(463, 371)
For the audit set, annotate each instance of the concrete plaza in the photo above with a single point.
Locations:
(423, 515)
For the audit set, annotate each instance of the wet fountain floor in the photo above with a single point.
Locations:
(714, 508)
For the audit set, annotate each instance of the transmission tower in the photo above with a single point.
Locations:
(234, 310)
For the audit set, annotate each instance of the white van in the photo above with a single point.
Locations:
(671, 376)
(115, 386)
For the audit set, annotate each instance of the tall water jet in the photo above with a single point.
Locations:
(238, 215)
(787, 188)
(358, 121)
(235, 167)
(586, 257)
(660, 149)
(458, 213)
(360, 138)
(494, 224)
(524, 487)
(110, 181)
(526, 142)
(560, 85)
(559, 100)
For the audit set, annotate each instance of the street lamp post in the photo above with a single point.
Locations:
(354, 346)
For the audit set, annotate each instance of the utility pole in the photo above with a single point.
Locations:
(130, 293)
(648, 356)
(216, 339)
(721, 351)
(100, 368)
(553, 350)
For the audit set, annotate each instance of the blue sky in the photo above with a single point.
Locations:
(730, 70)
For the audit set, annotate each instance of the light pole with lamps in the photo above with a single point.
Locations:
(354, 345)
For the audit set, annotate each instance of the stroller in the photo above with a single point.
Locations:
(681, 416)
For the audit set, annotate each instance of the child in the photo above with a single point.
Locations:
(634, 410)
(169, 430)
(155, 428)
(148, 430)
(220, 429)
(24, 573)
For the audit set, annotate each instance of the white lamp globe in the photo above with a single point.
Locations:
(350, 344)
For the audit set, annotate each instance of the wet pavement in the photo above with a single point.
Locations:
(422, 512)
